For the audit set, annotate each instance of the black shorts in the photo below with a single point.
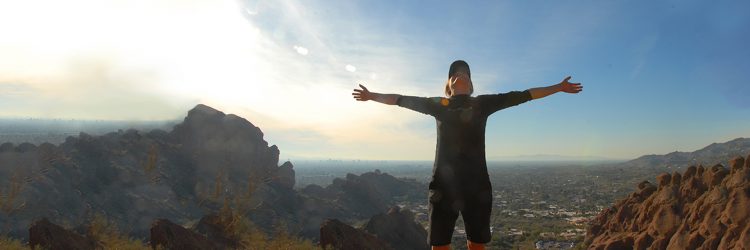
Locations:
(474, 207)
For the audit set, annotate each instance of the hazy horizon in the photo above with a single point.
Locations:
(75, 126)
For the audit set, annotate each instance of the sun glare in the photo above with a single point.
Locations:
(198, 49)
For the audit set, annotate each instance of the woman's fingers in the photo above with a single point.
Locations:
(359, 96)
(572, 88)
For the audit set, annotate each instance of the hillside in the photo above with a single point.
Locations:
(208, 160)
(700, 208)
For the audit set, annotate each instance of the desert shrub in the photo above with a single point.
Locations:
(109, 236)
(11, 244)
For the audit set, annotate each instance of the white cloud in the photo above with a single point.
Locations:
(301, 50)
(350, 68)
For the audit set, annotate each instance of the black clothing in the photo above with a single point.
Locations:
(460, 182)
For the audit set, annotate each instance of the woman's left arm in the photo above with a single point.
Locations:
(563, 86)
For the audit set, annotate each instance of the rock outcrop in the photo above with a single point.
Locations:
(46, 235)
(213, 141)
(335, 234)
(168, 235)
(137, 176)
(702, 208)
(398, 229)
(367, 194)
(213, 227)
(285, 175)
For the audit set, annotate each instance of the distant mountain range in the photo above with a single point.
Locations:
(716, 153)
(553, 157)
(711, 154)
(38, 131)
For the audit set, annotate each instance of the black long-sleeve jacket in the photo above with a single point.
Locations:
(460, 166)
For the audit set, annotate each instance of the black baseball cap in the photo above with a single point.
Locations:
(458, 64)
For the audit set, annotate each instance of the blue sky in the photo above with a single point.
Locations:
(658, 76)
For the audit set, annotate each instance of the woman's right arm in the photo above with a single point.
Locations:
(428, 106)
(365, 95)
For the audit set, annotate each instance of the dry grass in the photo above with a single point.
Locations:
(11, 244)
(237, 226)
(234, 225)
(109, 237)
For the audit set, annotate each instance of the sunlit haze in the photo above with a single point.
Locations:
(658, 77)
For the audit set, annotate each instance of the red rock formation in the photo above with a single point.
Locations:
(704, 208)
(334, 234)
(172, 236)
(46, 235)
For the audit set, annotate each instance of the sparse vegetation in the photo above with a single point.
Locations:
(109, 236)
(150, 166)
(11, 244)
(233, 200)
(237, 226)
(231, 219)
(249, 237)
(9, 194)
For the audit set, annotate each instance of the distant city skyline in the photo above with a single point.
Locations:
(659, 77)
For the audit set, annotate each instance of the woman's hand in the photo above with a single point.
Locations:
(365, 95)
(563, 86)
(569, 87)
(362, 94)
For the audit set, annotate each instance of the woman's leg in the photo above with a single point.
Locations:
(442, 220)
(477, 219)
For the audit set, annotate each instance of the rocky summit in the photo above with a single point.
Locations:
(133, 177)
(702, 208)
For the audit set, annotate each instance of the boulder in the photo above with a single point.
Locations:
(168, 235)
(335, 234)
(47, 235)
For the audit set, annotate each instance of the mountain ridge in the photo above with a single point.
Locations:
(711, 154)
(133, 177)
